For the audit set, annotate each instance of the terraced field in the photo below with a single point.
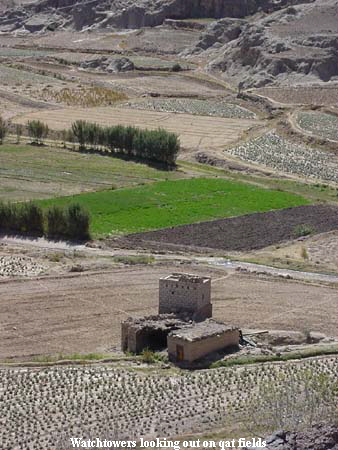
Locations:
(28, 172)
(302, 95)
(171, 203)
(23, 52)
(11, 76)
(319, 124)
(195, 131)
(140, 62)
(272, 150)
(213, 108)
(45, 407)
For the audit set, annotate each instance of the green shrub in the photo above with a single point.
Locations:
(148, 356)
(78, 222)
(57, 223)
(3, 129)
(9, 217)
(18, 132)
(30, 217)
(71, 222)
(37, 130)
(176, 68)
(21, 217)
(79, 131)
(303, 230)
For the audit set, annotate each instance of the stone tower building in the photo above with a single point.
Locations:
(185, 293)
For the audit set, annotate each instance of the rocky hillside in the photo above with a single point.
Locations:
(96, 14)
(320, 437)
(251, 43)
(298, 43)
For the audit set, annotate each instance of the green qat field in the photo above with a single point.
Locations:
(171, 203)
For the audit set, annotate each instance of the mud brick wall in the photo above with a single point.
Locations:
(194, 350)
(185, 296)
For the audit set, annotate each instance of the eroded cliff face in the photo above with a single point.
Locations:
(294, 44)
(134, 14)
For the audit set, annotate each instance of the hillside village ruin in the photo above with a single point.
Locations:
(184, 323)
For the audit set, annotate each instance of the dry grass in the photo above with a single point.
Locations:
(84, 97)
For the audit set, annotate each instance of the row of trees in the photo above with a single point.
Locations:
(36, 130)
(71, 222)
(153, 145)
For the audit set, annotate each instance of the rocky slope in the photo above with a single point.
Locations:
(320, 437)
(292, 44)
(52, 14)
(252, 43)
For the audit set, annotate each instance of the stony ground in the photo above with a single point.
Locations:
(283, 155)
(11, 266)
(319, 124)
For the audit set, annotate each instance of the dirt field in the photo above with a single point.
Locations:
(197, 132)
(83, 313)
(319, 252)
(325, 96)
(252, 231)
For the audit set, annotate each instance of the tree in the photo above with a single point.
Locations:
(37, 130)
(79, 130)
(3, 129)
(30, 218)
(298, 401)
(78, 222)
(57, 224)
(18, 132)
(176, 68)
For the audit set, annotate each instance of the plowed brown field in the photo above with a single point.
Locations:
(83, 312)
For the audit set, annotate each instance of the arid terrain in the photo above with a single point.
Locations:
(249, 90)
(83, 312)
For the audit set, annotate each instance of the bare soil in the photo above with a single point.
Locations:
(83, 312)
(302, 95)
(317, 253)
(248, 232)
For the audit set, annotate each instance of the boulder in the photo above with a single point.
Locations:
(319, 437)
(120, 65)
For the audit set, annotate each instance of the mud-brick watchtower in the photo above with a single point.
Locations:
(183, 293)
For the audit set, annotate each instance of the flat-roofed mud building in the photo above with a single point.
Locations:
(183, 323)
(195, 341)
(148, 332)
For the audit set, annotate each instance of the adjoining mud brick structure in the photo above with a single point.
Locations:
(183, 293)
(183, 323)
(148, 332)
(195, 341)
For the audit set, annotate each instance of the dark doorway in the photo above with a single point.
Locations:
(152, 339)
